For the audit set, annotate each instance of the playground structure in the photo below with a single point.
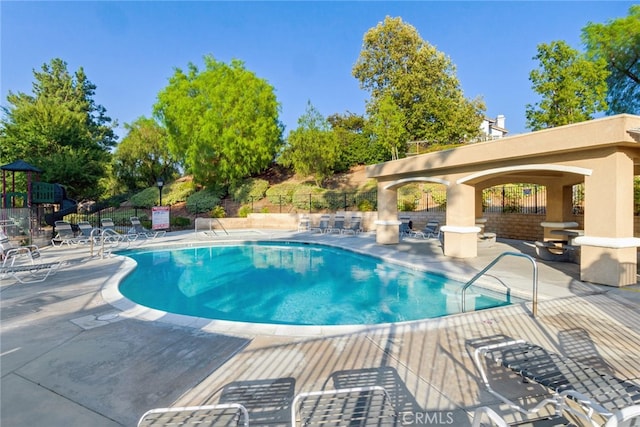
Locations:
(22, 212)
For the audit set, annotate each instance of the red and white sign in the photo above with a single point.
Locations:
(160, 217)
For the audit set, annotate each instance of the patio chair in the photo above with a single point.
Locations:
(357, 406)
(338, 225)
(138, 229)
(355, 226)
(432, 229)
(323, 225)
(223, 414)
(65, 235)
(592, 392)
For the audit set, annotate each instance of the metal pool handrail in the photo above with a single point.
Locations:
(534, 309)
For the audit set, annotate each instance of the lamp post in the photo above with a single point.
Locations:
(160, 184)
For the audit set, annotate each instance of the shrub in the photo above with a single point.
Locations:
(204, 200)
(180, 221)
(177, 192)
(307, 194)
(407, 205)
(217, 212)
(281, 193)
(251, 189)
(244, 211)
(366, 205)
(146, 198)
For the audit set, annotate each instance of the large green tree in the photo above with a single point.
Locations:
(312, 148)
(356, 146)
(618, 43)
(387, 124)
(572, 87)
(143, 155)
(60, 129)
(396, 62)
(222, 121)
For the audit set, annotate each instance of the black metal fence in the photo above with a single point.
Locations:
(525, 199)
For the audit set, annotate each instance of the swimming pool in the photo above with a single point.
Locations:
(292, 284)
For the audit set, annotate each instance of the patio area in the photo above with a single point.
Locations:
(71, 358)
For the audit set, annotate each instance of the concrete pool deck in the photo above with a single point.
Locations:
(68, 357)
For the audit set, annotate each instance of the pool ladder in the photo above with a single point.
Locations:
(217, 221)
(534, 308)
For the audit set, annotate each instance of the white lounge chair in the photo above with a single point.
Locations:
(355, 226)
(304, 224)
(223, 414)
(20, 263)
(110, 234)
(323, 225)
(138, 229)
(618, 419)
(88, 231)
(432, 229)
(592, 392)
(9, 249)
(65, 235)
(357, 406)
(337, 226)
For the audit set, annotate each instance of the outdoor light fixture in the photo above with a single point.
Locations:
(160, 184)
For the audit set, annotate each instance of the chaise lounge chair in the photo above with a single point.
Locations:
(110, 234)
(20, 263)
(323, 225)
(338, 225)
(224, 414)
(65, 235)
(88, 231)
(357, 406)
(432, 229)
(618, 419)
(9, 249)
(591, 391)
(138, 229)
(355, 226)
(304, 224)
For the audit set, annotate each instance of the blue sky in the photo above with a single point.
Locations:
(305, 50)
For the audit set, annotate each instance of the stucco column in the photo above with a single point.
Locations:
(460, 232)
(559, 207)
(387, 225)
(608, 248)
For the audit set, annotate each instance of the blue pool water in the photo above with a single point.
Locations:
(295, 284)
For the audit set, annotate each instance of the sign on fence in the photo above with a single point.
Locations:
(160, 217)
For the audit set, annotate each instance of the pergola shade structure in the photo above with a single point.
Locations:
(604, 154)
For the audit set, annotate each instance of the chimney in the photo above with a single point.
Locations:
(500, 121)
